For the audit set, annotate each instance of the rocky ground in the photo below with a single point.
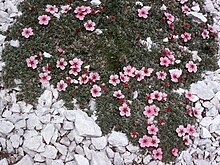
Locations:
(49, 134)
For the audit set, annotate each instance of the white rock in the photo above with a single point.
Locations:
(187, 158)
(147, 159)
(61, 148)
(68, 125)
(14, 43)
(202, 91)
(99, 143)
(100, 158)
(20, 124)
(47, 55)
(6, 127)
(2, 38)
(118, 159)
(132, 148)
(201, 162)
(34, 143)
(50, 152)
(71, 163)
(48, 132)
(65, 141)
(197, 15)
(69, 157)
(118, 139)
(15, 108)
(206, 121)
(70, 115)
(46, 98)
(212, 112)
(57, 162)
(205, 133)
(4, 161)
(9, 147)
(45, 119)
(33, 121)
(85, 125)
(96, 2)
(39, 158)
(88, 152)
(15, 140)
(57, 119)
(26, 160)
(81, 160)
(72, 146)
(110, 152)
(79, 150)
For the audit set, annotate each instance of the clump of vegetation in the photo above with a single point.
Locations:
(86, 50)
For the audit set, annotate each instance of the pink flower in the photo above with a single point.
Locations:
(96, 91)
(76, 63)
(90, 25)
(44, 78)
(189, 110)
(44, 19)
(125, 110)
(169, 17)
(83, 9)
(143, 12)
(80, 16)
(181, 131)
(211, 29)
(123, 78)
(145, 141)
(154, 141)
(74, 70)
(61, 63)
(187, 141)
(152, 129)
(129, 71)
(51, 9)
(147, 71)
(61, 86)
(114, 80)
(79, 9)
(94, 76)
(156, 95)
(118, 94)
(32, 62)
(155, 109)
(175, 74)
(185, 9)
(195, 112)
(47, 68)
(161, 75)
(84, 79)
(27, 32)
(186, 36)
(139, 74)
(205, 34)
(189, 95)
(87, 10)
(174, 151)
(151, 110)
(65, 8)
(190, 129)
(158, 154)
(148, 111)
(69, 80)
(191, 66)
(164, 61)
